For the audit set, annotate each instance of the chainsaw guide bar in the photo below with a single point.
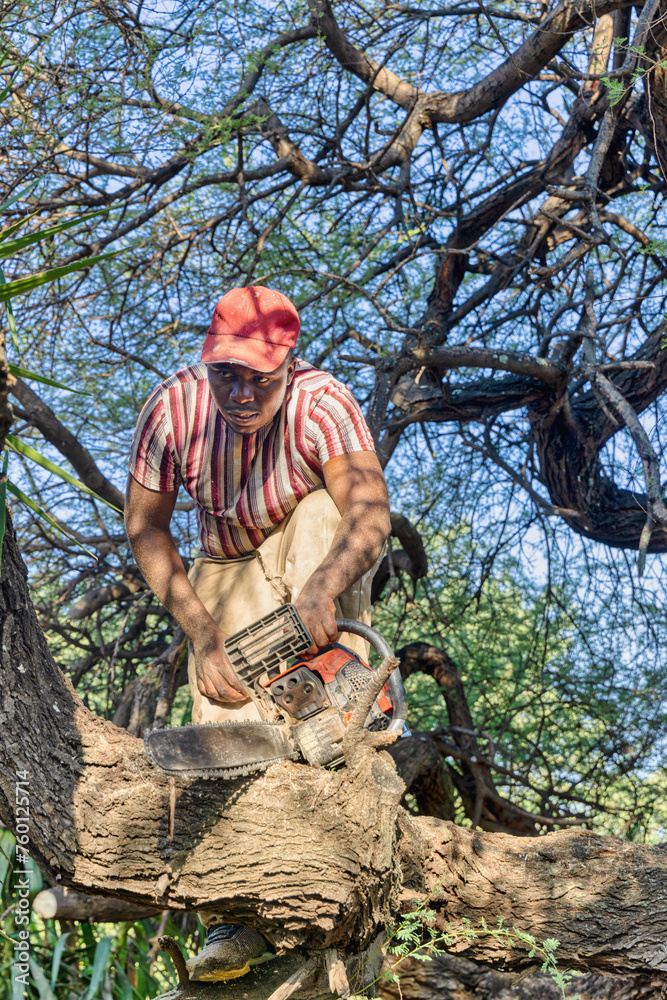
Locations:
(195, 751)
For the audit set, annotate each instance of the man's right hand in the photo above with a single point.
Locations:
(147, 518)
(215, 674)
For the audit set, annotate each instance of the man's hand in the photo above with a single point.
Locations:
(215, 674)
(357, 487)
(318, 613)
(147, 518)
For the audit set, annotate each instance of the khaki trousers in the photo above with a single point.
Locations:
(236, 592)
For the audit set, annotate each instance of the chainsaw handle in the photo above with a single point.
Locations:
(395, 682)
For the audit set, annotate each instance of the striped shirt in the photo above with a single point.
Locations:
(243, 485)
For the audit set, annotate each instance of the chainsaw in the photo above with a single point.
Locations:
(305, 703)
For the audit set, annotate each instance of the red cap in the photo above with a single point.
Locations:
(252, 326)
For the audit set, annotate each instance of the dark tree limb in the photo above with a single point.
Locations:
(569, 436)
(174, 662)
(474, 782)
(136, 708)
(68, 444)
(451, 977)
(424, 769)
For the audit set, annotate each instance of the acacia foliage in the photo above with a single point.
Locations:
(465, 203)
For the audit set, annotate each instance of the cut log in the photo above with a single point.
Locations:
(60, 903)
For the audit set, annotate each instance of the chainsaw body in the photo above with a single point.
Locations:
(305, 702)
(318, 696)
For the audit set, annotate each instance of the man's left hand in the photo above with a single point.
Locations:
(318, 613)
(356, 485)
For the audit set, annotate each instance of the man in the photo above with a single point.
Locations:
(253, 435)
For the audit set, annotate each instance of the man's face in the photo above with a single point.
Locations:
(249, 399)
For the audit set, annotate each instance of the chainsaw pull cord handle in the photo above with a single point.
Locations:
(395, 682)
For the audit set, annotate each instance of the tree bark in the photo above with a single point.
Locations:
(604, 899)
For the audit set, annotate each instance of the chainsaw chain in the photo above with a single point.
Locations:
(230, 772)
(217, 725)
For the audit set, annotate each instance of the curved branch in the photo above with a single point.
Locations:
(93, 600)
(356, 61)
(461, 402)
(487, 94)
(411, 558)
(475, 784)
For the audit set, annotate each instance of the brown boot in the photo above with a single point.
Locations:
(230, 951)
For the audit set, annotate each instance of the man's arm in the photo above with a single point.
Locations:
(357, 486)
(147, 518)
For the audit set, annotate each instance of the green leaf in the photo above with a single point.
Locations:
(40, 981)
(10, 230)
(57, 957)
(99, 964)
(10, 315)
(24, 373)
(15, 246)
(90, 941)
(18, 989)
(21, 448)
(127, 990)
(6, 853)
(35, 880)
(44, 514)
(23, 285)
